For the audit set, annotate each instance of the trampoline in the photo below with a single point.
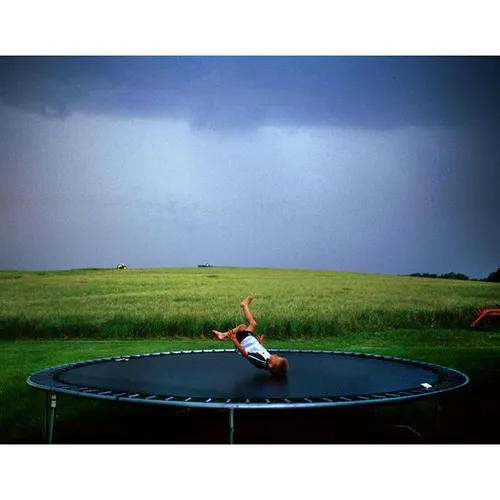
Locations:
(221, 379)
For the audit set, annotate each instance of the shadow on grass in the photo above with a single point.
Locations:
(464, 418)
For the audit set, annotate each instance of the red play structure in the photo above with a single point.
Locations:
(487, 311)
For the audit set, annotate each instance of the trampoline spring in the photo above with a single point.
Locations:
(169, 398)
(151, 397)
(83, 389)
(134, 395)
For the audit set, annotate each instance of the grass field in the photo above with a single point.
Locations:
(51, 318)
(159, 303)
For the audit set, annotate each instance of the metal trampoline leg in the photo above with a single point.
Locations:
(411, 429)
(53, 404)
(231, 425)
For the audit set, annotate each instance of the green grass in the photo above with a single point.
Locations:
(160, 303)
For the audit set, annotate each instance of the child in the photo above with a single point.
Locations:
(252, 348)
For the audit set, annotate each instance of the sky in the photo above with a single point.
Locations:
(386, 165)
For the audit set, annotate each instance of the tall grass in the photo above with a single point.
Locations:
(189, 302)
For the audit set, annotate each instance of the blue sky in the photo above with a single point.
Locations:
(368, 164)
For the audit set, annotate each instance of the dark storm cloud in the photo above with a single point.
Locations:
(245, 92)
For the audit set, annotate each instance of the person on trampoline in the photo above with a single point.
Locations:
(252, 347)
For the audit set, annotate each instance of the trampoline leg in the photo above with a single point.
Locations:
(231, 425)
(53, 404)
(411, 429)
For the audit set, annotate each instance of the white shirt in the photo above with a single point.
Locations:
(257, 353)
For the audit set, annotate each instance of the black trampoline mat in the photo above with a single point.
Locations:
(227, 375)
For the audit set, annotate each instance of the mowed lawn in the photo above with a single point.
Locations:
(51, 318)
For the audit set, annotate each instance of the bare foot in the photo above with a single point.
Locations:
(247, 301)
(219, 335)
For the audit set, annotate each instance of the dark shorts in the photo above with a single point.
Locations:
(242, 334)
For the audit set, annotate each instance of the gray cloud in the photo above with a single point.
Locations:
(234, 93)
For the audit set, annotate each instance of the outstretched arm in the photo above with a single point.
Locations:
(232, 336)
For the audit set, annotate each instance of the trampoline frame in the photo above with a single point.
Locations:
(449, 379)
